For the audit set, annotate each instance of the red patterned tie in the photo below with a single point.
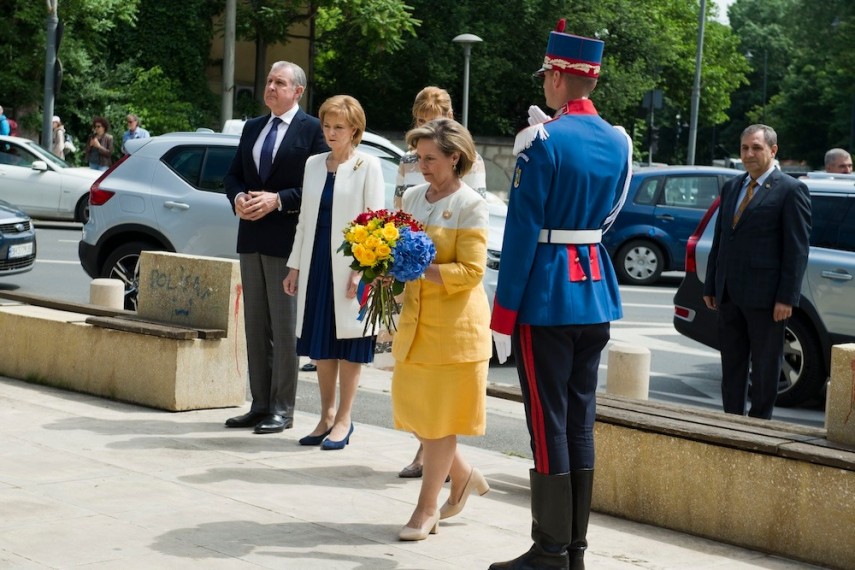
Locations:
(745, 199)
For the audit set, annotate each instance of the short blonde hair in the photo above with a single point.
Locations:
(450, 136)
(349, 108)
(434, 102)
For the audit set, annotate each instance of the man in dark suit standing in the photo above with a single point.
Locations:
(264, 186)
(754, 278)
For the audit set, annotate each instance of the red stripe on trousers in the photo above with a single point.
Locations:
(538, 430)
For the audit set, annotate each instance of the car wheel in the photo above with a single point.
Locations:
(123, 264)
(803, 371)
(639, 262)
(81, 211)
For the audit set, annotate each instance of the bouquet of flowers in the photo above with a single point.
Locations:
(389, 248)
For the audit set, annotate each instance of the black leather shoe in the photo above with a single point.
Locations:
(274, 423)
(247, 420)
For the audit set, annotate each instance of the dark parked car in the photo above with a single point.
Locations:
(17, 240)
(663, 206)
(826, 312)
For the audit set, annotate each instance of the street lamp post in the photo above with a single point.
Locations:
(466, 40)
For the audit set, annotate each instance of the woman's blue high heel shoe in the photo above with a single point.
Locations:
(329, 444)
(314, 439)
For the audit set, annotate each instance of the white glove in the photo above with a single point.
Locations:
(503, 346)
(536, 115)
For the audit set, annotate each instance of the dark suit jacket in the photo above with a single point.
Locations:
(762, 260)
(274, 233)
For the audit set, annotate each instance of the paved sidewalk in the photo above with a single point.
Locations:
(88, 482)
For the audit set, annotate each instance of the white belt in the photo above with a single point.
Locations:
(579, 237)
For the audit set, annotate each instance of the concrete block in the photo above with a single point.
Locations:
(774, 504)
(108, 293)
(840, 406)
(629, 371)
(57, 348)
(189, 290)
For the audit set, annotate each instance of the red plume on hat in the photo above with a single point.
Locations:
(559, 27)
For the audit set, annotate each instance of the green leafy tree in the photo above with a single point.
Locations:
(375, 25)
(86, 27)
(764, 29)
(814, 110)
(650, 44)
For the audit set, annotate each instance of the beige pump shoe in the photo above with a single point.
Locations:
(476, 481)
(431, 526)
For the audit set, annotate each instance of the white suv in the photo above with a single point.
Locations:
(167, 194)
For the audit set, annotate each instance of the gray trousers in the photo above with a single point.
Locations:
(270, 316)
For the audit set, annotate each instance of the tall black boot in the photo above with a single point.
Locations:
(550, 525)
(582, 486)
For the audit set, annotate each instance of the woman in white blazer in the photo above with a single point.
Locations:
(337, 187)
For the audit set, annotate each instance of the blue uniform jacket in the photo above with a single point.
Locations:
(572, 178)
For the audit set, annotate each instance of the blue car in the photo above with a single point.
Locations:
(17, 240)
(663, 207)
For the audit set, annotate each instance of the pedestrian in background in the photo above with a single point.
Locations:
(337, 187)
(442, 347)
(5, 128)
(57, 145)
(264, 185)
(558, 292)
(754, 275)
(134, 131)
(431, 103)
(99, 148)
(838, 161)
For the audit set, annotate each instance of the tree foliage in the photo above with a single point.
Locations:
(650, 44)
(118, 56)
(375, 26)
(806, 54)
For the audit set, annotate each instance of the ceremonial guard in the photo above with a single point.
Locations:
(558, 291)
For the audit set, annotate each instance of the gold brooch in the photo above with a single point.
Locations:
(358, 164)
(446, 214)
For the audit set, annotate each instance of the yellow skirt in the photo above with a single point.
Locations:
(437, 400)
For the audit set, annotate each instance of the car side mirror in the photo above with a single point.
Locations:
(39, 165)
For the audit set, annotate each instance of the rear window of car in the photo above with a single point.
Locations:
(696, 192)
(832, 222)
(203, 167)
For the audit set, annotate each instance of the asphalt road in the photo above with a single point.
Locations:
(682, 371)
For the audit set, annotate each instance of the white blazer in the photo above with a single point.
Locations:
(358, 186)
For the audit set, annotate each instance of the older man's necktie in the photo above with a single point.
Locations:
(744, 203)
(265, 161)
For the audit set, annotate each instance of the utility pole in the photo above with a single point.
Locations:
(696, 88)
(227, 108)
(50, 73)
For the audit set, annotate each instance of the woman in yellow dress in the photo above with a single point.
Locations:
(431, 103)
(443, 345)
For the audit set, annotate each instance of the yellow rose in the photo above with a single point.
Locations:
(360, 233)
(390, 232)
(383, 251)
(372, 242)
(368, 259)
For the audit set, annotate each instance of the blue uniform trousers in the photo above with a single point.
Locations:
(557, 367)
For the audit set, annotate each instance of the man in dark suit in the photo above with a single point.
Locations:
(754, 278)
(264, 186)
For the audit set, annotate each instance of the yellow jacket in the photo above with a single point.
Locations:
(449, 322)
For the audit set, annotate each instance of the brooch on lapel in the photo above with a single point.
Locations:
(446, 214)
(358, 164)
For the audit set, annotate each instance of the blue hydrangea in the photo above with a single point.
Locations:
(411, 255)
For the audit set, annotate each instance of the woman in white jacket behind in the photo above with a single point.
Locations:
(337, 187)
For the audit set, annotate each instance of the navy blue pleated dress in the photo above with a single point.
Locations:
(318, 338)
